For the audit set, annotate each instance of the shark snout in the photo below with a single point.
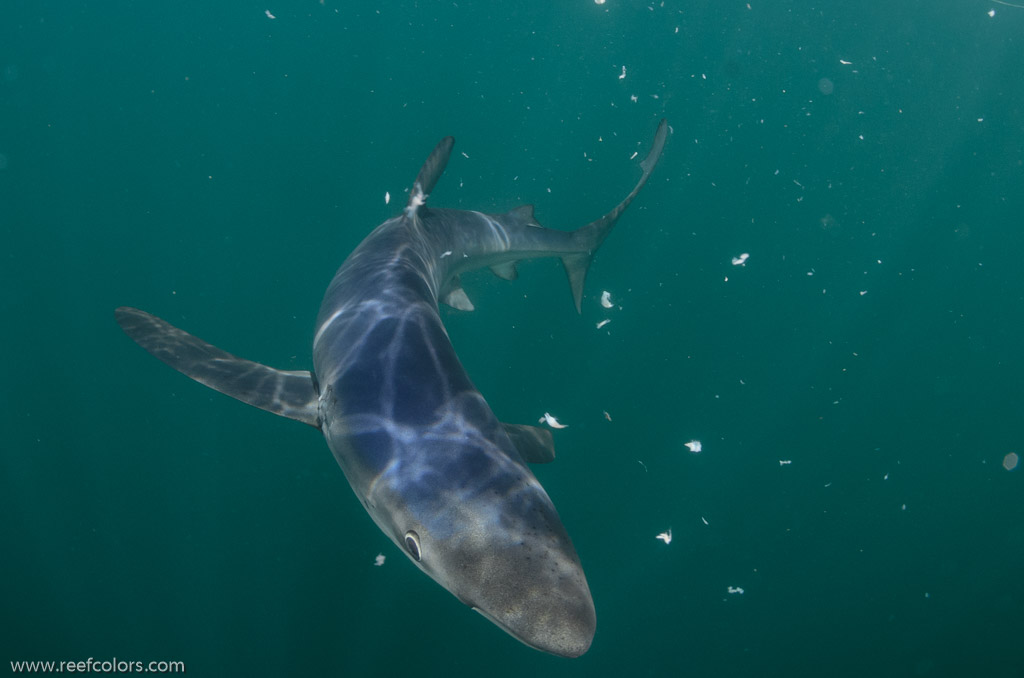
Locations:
(563, 624)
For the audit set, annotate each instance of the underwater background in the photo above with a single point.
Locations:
(856, 383)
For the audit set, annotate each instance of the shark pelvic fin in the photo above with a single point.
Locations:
(590, 237)
(427, 178)
(534, 444)
(456, 297)
(289, 394)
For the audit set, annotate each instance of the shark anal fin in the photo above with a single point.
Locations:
(535, 444)
(433, 168)
(288, 394)
(506, 271)
(590, 237)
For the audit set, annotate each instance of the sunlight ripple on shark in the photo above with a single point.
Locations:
(430, 462)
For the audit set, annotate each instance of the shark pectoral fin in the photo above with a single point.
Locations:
(588, 238)
(289, 394)
(506, 271)
(535, 444)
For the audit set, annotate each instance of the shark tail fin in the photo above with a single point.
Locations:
(590, 237)
(433, 168)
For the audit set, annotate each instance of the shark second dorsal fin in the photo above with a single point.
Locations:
(534, 444)
(427, 178)
(289, 394)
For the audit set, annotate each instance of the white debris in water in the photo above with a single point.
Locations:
(606, 299)
(598, 2)
(735, 589)
(785, 462)
(845, 63)
(387, 197)
(1010, 461)
(622, 76)
(607, 416)
(447, 253)
(603, 323)
(741, 260)
(379, 560)
(269, 15)
(635, 153)
(705, 520)
(694, 446)
(551, 421)
(666, 536)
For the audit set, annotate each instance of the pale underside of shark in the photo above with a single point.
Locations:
(433, 466)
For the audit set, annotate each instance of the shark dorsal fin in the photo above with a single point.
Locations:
(524, 214)
(433, 168)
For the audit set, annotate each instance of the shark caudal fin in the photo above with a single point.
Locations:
(427, 178)
(590, 237)
(288, 394)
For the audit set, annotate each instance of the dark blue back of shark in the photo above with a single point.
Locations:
(381, 353)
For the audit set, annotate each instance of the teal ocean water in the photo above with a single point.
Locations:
(855, 384)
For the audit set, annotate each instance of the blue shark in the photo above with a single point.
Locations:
(434, 467)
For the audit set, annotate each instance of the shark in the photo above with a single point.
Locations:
(438, 472)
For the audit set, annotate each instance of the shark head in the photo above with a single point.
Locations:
(479, 523)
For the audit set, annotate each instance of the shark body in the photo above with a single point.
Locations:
(419, 445)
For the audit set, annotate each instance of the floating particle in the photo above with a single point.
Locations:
(607, 416)
(694, 446)
(666, 536)
(705, 520)
(642, 464)
(741, 260)
(622, 76)
(863, 292)
(606, 299)
(447, 253)
(785, 462)
(635, 153)
(1010, 461)
(735, 589)
(551, 421)
(269, 15)
(387, 197)
(991, 12)
(379, 560)
(603, 323)
(845, 63)
(598, 2)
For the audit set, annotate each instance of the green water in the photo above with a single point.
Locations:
(214, 165)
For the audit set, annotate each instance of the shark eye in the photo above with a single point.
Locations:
(412, 542)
